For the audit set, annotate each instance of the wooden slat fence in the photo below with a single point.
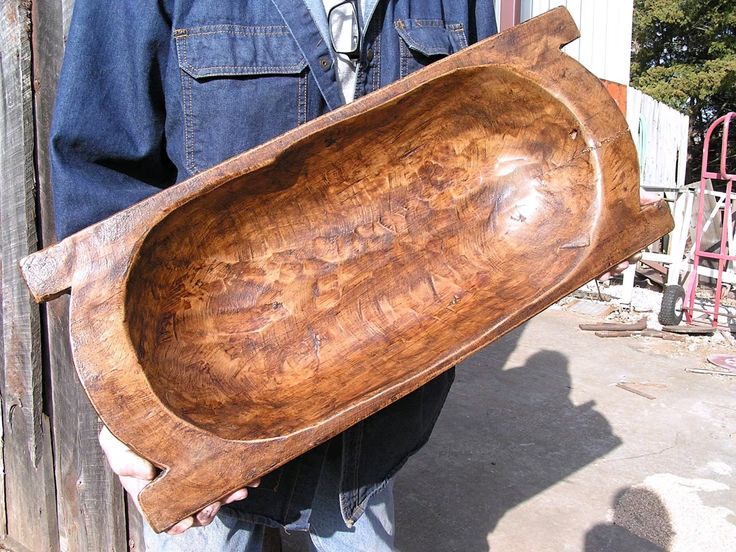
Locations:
(661, 136)
(57, 493)
(30, 512)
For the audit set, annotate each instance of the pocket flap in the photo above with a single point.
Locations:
(431, 37)
(222, 50)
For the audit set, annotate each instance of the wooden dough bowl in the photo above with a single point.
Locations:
(230, 323)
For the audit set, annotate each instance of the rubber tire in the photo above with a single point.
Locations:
(671, 311)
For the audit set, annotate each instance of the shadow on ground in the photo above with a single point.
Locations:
(506, 434)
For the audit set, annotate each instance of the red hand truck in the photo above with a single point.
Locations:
(727, 251)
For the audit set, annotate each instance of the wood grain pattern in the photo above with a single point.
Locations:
(28, 465)
(3, 505)
(83, 480)
(255, 310)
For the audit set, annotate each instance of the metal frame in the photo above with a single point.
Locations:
(727, 250)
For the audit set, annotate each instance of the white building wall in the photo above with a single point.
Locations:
(659, 132)
(605, 33)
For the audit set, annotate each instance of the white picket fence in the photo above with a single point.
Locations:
(661, 136)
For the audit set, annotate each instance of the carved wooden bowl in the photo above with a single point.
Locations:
(232, 322)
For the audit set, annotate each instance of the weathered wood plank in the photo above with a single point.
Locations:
(30, 492)
(135, 527)
(48, 50)
(8, 543)
(90, 501)
(3, 507)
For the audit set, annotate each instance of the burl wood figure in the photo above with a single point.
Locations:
(255, 310)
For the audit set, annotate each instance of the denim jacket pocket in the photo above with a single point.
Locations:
(232, 76)
(426, 40)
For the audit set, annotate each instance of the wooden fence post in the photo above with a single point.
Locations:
(90, 502)
(56, 491)
(30, 507)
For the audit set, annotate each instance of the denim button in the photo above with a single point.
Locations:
(369, 55)
(325, 63)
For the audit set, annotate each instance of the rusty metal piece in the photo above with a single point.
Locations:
(690, 329)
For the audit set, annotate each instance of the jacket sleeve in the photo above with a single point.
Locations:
(483, 14)
(107, 142)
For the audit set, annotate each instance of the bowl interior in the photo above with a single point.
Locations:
(364, 255)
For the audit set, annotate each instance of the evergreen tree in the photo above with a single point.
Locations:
(684, 54)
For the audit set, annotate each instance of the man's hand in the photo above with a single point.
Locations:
(135, 473)
(645, 198)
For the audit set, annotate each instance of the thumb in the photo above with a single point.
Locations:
(123, 461)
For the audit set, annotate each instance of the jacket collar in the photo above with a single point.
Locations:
(316, 49)
(307, 22)
(317, 10)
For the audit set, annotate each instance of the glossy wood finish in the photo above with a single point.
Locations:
(232, 322)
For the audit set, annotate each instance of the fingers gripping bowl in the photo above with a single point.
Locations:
(232, 322)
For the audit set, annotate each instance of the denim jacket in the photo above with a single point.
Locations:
(153, 92)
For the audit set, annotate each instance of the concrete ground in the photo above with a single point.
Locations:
(538, 450)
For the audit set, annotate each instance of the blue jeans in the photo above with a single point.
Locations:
(230, 532)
